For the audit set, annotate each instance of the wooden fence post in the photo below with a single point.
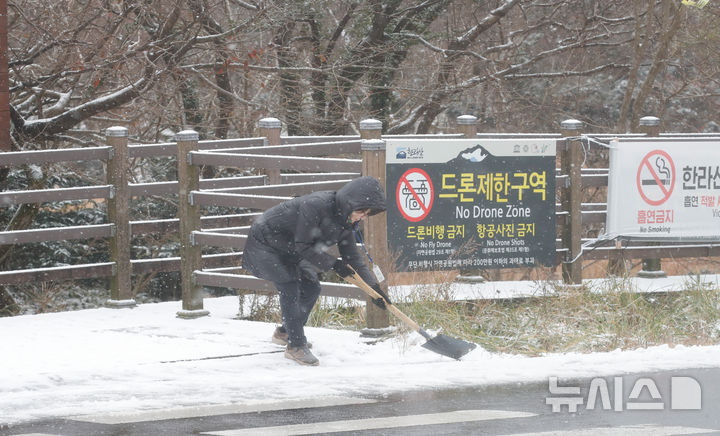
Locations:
(271, 128)
(118, 211)
(5, 142)
(571, 198)
(651, 268)
(616, 260)
(467, 125)
(189, 214)
(373, 164)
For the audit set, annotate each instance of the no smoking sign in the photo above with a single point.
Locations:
(414, 195)
(656, 177)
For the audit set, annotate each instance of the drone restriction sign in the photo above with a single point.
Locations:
(414, 194)
(656, 177)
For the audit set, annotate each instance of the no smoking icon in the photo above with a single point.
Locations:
(656, 177)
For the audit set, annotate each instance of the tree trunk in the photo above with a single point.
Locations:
(639, 46)
(672, 17)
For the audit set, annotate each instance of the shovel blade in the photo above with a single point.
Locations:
(450, 347)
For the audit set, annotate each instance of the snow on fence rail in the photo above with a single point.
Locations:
(273, 153)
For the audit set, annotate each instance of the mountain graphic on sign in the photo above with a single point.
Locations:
(475, 154)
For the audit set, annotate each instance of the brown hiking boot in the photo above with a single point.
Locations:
(301, 355)
(280, 337)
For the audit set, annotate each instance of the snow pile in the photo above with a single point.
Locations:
(111, 360)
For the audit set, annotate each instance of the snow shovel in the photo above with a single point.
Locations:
(440, 344)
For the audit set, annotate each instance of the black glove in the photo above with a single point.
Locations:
(380, 302)
(342, 269)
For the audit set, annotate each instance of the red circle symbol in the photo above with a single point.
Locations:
(414, 194)
(656, 177)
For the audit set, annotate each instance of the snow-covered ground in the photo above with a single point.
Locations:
(519, 289)
(123, 360)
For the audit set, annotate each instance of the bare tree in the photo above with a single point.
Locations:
(217, 66)
(321, 65)
(408, 62)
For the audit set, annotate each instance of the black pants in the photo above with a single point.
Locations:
(297, 299)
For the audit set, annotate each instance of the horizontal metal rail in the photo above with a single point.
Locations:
(425, 136)
(170, 188)
(692, 135)
(100, 270)
(310, 139)
(235, 200)
(586, 206)
(235, 281)
(316, 177)
(215, 239)
(171, 264)
(216, 144)
(53, 195)
(275, 162)
(19, 158)
(172, 225)
(226, 269)
(169, 149)
(302, 149)
(585, 171)
(674, 139)
(654, 252)
(287, 189)
(239, 230)
(57, 234)
(609, 136)
(588, 180)
(70, 272)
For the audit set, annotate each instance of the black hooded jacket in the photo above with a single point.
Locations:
(294, 236)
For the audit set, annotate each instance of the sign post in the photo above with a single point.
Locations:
(375, 227)
(571, 198)
(651, 268)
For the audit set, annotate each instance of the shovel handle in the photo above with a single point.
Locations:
(356, 280)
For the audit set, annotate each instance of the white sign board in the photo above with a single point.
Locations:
(664, 190)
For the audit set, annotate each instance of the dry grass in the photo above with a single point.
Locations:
(571, 320)
(579, 319)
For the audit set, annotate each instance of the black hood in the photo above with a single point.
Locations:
(363, 193)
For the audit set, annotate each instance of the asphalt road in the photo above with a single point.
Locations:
(667, 403)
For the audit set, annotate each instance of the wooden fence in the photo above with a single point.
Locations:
(316, 163)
